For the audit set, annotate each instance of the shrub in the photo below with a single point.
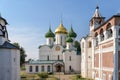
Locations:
(43, 75)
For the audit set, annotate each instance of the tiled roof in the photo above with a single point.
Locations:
(8, 46)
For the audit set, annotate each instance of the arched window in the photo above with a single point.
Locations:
(96, 39)
(30, 68)
(36, 69)
(89, 44)
(48, 58)
(109, 32)
(70, 68)
(61, 40)
(58, 57)
(48, 68)
(42, 68)
(70, 58)
(101, 35)
(49, 41)
(119, 32)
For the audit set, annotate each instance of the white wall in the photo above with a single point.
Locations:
(9, 70)
(74, 63)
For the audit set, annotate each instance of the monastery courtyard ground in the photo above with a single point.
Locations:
(59, 76)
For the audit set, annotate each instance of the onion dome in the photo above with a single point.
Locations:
(72, 33)
(49, 33)
(69, 39)
(61, 29)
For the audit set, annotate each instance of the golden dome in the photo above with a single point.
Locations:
(61, 29)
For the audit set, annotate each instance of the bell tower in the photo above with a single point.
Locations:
(96, 20)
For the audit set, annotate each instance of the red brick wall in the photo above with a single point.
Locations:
(96, 61)
(108, 59)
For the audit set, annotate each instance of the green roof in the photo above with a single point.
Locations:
(69, 39)
(49, 33)
(72, 33)
(44, 61)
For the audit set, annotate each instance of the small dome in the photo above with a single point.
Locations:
(72, 33)
(61, 29)
(69, 39)
(49, 33)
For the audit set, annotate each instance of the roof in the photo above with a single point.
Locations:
(8, 46)
(72, 33)
(61, 29)
(69, 39)
(97, 13)
(49, 33)
(44, 61)
(3, 19)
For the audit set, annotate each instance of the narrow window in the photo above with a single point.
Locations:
(36, 69)
(30, 68)
(48, 58)
(119, 32)
(14, 59)
(58, 57)
(49, 41)
(90, 44)
(48, 68)
(70, 58)
(70, 68)
(61, 40)
(42, 68)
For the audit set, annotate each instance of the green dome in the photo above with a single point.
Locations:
(69, 39)
(49, 33)
(72, 33)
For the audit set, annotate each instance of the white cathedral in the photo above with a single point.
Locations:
(58, 54)
(9, 55)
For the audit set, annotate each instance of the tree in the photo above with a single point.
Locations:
(77, 45)
(22, 53)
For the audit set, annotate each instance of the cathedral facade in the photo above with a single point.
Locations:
(58, 54)
(100, 49)
(9, 55)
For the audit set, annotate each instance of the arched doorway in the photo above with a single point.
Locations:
(59, 67)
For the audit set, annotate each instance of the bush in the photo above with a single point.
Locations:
(78, 76)
(43, 75)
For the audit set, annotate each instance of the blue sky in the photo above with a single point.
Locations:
(29, 20)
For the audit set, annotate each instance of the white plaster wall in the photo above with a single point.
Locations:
(49, 41)
(9, 70)
(39, 66)
(58, 39)
(74, 63)
(53, 54)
